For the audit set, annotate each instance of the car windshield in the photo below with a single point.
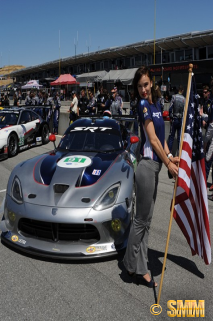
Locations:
(8, 118)
(97, 140)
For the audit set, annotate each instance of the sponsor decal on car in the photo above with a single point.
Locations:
(91, 129)
(90, 249)
(96, 172)
(14, 238)
(75, 161)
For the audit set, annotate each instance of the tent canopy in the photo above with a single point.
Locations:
(124, 75)
(95, 76)
(31, 84)
(65, 79)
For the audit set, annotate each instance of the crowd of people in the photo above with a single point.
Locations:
(176, 110)
(86, 103)
(206, 112)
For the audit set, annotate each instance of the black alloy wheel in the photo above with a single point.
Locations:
(12, 145)
(45, 134)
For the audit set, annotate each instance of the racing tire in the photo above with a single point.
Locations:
(45, 134)
(12, 145)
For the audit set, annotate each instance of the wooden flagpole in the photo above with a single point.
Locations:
(175, 188)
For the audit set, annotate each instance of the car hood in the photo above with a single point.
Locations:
(68, 179)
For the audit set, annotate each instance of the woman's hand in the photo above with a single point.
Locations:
(175, 160)
(173, 168)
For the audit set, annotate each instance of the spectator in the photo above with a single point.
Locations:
(176, 116)
(92, 103)
(19, 97)
(74, 110)
(83, 102)
(205, 106)
(160, 98)
(55, 105)
(6, 102)
(2, 100)
(115, 106)
(101, 100)
(15, 100)
(133, 111)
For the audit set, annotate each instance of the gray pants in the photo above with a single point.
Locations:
(135, 259)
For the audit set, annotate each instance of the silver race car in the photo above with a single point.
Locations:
(21, 128)
(75, 202)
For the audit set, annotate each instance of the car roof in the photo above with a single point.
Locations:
(96, 122)
(10, 110)
(14, 109)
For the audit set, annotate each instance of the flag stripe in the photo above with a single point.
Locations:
(191, 203)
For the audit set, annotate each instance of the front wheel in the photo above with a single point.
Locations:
(12, 145)
(45, 134)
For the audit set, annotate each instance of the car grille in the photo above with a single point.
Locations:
(58, 231)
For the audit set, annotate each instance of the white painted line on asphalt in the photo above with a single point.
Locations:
(3, 190)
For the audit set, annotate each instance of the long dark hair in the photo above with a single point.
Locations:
(143, 70)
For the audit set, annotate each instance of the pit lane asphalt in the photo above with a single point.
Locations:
(34, 289)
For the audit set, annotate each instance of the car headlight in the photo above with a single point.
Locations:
(16, 192)
(108, 199)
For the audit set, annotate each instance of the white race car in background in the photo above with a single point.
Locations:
(21, 128)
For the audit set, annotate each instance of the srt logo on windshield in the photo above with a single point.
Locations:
(92, 129)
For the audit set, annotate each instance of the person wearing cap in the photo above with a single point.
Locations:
(74, 110)
(176, 115)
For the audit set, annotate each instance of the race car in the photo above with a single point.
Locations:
(77, 201)
(21, 128)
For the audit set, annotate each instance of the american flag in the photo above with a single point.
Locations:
(191, 203)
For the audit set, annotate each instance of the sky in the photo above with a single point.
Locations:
(34, 32)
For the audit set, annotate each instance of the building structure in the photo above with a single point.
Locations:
(116, 65)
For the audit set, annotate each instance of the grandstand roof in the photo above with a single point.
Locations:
(190, 40)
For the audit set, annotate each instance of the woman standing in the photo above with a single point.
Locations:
(154, 151)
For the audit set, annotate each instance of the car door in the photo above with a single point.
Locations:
(28, 126)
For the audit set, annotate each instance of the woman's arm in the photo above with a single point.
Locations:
(160, 151)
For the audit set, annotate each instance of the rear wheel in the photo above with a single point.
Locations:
(12, 145)
(45, 134)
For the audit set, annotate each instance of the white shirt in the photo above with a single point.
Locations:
(75, 103)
